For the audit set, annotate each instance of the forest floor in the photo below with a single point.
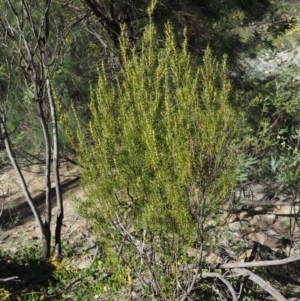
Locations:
(18, 228)
(271, 223)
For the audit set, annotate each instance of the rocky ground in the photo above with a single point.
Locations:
(264, 226)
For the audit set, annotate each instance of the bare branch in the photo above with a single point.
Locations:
(224, 280)
(254, 264)
(238, 268)
(14, 278)
(259, 281)
(269, 203)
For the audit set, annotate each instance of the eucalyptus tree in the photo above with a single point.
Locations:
(33, 44)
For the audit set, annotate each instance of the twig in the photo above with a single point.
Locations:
(195, 277)
(186, 294)
(254, 264)
(224, 280)
(262, 283)
(70, 161)
(236, 268)
(268, 203)
(72, 283)
(95, 256)
(14, 278)
(71, 225)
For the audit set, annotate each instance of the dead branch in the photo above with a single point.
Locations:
(224, 280)
(254, 264)
(246, 273)
(259, 281)
(95, 256)
(269, 203)
(14, 278)
(238, 268)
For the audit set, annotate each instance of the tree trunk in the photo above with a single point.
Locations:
(48, 209)
(46, 237)
(59, 200)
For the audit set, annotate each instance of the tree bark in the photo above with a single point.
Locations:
(46, 237)
(59, 200)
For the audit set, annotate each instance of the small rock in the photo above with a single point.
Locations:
(84, 265)
(244, 215)
(213, 259)
(233, 218)
(265, 240)
(29, 229)
(238, 226)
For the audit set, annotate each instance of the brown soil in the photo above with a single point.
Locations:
(18, 228)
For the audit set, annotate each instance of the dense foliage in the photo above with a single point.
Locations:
(157, 158)
(161, 143)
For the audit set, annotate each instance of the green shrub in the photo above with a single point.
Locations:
(157, 160)
(271, 136)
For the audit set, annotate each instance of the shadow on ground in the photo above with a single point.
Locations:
(21, 212)
(286, 277)
(23, 273)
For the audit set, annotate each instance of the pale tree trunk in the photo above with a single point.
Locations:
(59, 200)
(44, 92)
(48, 207)
(31, 54)
(46, 237)
(38, 79)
